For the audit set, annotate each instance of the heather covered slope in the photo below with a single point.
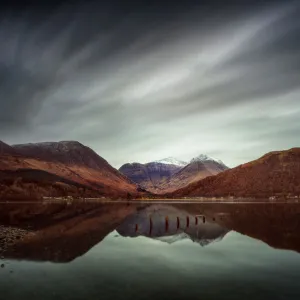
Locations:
(78, 171)
(274, 174)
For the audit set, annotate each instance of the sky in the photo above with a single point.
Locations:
(139, 81)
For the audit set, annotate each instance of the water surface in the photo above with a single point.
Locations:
(176, 251)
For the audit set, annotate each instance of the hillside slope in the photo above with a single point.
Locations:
(193, 172)
(276, 173)
(78, 171)
(6, 149)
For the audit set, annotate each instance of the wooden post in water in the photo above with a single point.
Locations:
(151, 225)
(196, 221)
(178, 223)
(187, 222)
(167, 223)
(136, 228)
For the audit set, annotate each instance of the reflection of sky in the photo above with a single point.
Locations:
(127, 267)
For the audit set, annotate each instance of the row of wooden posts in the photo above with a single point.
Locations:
(167, 223)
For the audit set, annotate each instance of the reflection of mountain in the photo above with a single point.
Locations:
(62, 232)
(59, 232)
(169, 224)
(278, 225)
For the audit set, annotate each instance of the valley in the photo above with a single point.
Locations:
(69, 170)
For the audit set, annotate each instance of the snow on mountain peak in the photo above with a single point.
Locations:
(204, 157)
(172, 161)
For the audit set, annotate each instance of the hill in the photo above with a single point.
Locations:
(274, 174)
(60, 169)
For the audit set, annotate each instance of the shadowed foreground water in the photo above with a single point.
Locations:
(127, 251)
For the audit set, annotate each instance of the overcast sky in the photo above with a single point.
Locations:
(147, 80)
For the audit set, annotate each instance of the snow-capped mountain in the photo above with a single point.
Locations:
(200, 167)
(178, 162)
(172, 161)
(170, 173)
(204, 157)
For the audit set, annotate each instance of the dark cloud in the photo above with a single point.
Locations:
(147, 79)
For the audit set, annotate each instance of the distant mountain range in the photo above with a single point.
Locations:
(170, 174)
(65, 168)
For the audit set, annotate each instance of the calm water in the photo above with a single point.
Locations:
(114, 251)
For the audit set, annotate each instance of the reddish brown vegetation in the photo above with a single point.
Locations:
(83, 174)
(274, 174)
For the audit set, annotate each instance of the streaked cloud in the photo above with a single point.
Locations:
(142, 82)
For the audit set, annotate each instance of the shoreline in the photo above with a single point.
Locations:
(158, 200)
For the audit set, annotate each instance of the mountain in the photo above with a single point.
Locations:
(205, 158)
(199, 168)
(169, 174)
(67, 152)
(151, 175)
(65, 168)
(274, 174)
(170, 225)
